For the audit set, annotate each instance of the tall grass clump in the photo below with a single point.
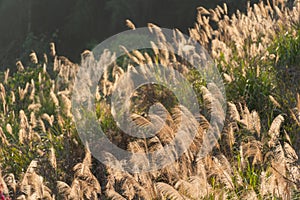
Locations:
(256, 156)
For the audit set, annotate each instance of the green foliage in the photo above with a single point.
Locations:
(287, 47)
(16, 157)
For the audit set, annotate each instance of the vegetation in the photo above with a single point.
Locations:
(256, 156)
(28, 25)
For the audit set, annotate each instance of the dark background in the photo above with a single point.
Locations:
(75, 25)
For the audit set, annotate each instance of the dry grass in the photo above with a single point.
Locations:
(250, 160)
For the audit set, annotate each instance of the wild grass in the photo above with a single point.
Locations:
(256, 156)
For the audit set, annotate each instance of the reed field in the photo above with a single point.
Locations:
(256, 155)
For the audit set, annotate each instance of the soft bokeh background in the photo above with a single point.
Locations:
(75, 25)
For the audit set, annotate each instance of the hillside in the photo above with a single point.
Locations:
(254, 156)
